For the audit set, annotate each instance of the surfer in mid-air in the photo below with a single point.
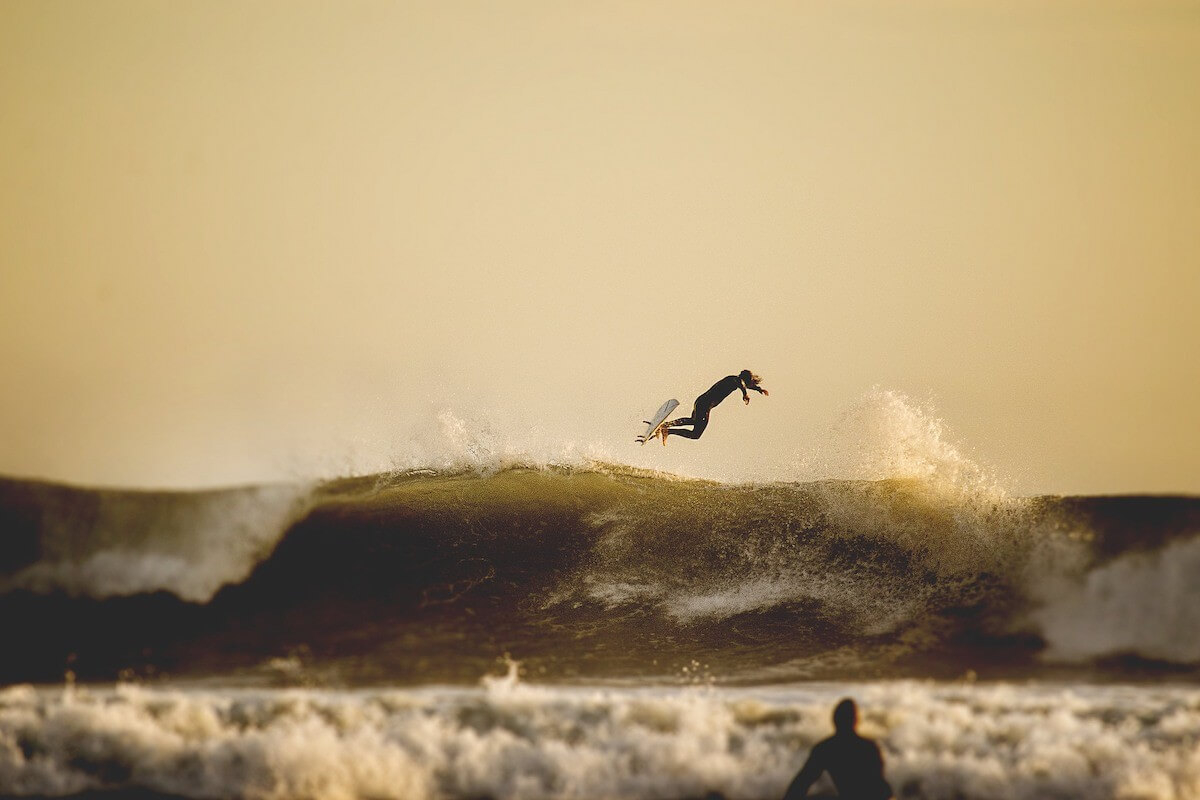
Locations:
(706, 402)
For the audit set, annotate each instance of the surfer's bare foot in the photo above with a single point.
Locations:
(663, 433)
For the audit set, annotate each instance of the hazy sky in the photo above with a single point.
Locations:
(255, 240)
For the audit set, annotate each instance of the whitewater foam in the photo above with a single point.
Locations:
(1144, 603)
(107, 543)
(510, 740)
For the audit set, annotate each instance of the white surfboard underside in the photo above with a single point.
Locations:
(659, 417)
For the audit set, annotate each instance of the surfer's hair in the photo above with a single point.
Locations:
(845, 715)
(749, 378)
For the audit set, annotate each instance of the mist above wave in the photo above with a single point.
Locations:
(884, 434)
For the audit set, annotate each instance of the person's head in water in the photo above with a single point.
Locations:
(749, 378)
(845, 716)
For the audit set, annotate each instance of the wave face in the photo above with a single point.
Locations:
(593, 573)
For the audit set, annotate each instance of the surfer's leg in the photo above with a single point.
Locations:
(698, 420)
(671, 423)
(694, 433)
(696, 414)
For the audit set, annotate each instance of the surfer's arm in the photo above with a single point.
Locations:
(885, 787)
(806, 777)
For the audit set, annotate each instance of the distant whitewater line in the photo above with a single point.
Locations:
(600, 573)
(512, 741)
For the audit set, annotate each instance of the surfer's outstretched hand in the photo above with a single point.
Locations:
(746, 399)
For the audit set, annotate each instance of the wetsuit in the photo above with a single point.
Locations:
(705, 403)
(854, 763)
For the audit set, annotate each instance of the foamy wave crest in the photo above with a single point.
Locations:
(509, 740)
(103, 543)
(883, 435)
(1142, 603)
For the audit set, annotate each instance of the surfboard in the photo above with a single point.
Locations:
(655, 422)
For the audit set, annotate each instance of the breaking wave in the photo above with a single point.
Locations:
(596, 572)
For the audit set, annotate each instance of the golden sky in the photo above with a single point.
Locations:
(253, 240)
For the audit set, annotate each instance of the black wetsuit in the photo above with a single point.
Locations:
(854, 763)
(704, 404)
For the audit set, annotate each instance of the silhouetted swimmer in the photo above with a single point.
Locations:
(711, 399)
(854, 762)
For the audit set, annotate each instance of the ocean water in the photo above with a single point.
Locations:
(592, 630)
(506, 739)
